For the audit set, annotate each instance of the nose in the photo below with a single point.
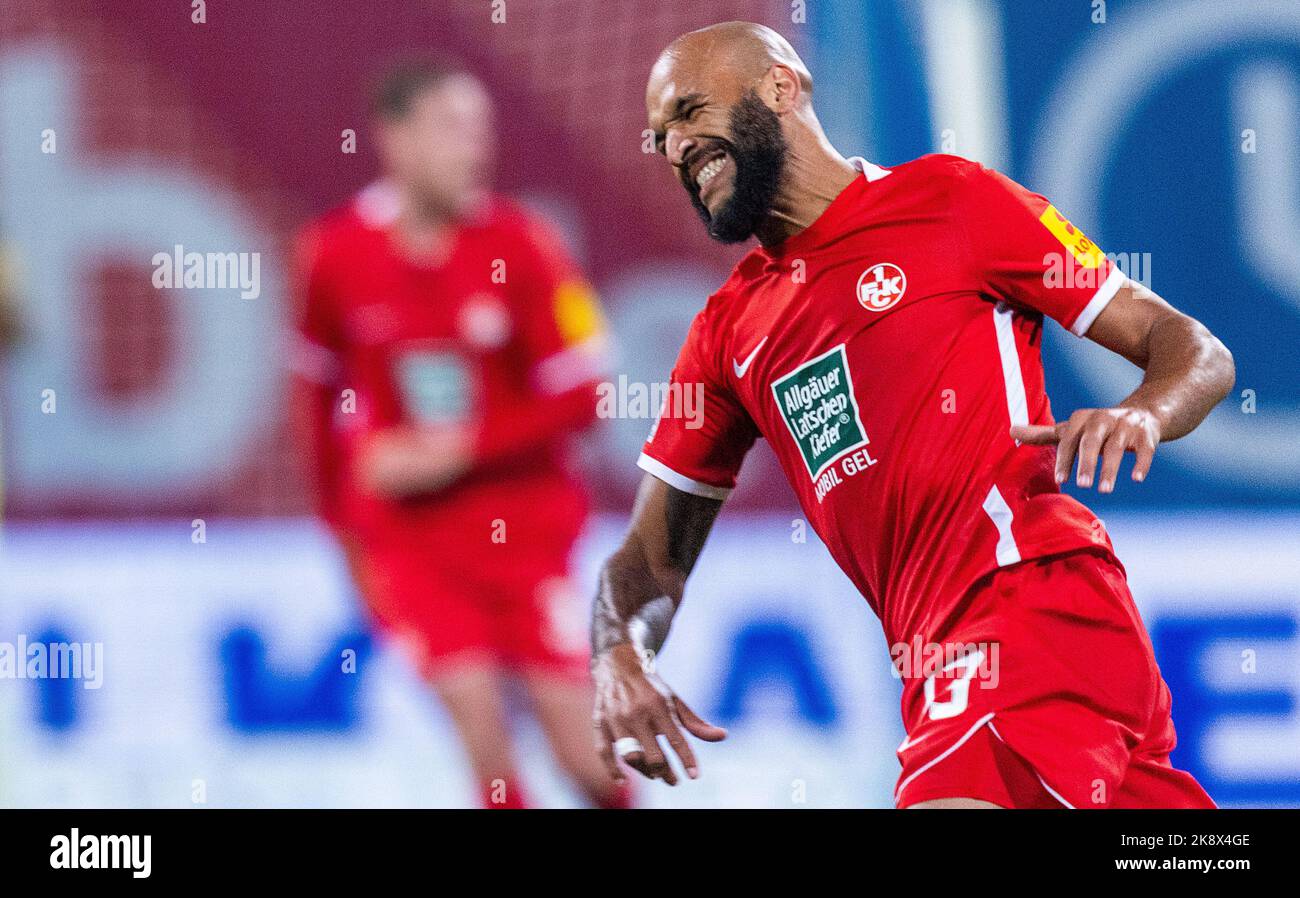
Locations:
(676, 147)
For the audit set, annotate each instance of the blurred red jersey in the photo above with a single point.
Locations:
(884, 352)
(502, 336)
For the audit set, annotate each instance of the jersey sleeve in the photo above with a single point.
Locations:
(315, 357)
(1025, 252)
(702, 433)
(564, 337)
(318, 340)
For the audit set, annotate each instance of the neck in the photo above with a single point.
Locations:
(815, 173)
(420, 229)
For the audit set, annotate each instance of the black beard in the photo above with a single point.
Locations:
(757, 150)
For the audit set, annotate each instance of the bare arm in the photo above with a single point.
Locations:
(641, 586)
(643, 582)
(1188, 372)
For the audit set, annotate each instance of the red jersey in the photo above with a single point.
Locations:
(503, 336)
(884, 352)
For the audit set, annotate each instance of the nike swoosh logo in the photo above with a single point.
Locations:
(742, 367)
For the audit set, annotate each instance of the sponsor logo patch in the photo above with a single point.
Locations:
(1085, 252)
(817, 403)
(435, 387)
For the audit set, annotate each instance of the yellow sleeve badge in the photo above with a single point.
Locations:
(1085, 252)
(577, 312)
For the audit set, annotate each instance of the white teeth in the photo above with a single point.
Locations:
(706, 174)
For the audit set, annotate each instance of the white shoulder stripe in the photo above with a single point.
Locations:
(1012, 377)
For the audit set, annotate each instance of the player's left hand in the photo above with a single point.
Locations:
(406, 461)
(1093, 432)
(634, 707)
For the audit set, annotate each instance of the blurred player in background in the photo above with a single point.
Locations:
(884, 338)
(449, 351)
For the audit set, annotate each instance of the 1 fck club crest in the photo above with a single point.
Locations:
(881, 287)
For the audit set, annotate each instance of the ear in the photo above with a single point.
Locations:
(781, 89)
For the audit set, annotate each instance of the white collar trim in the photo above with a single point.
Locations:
(871, 170)
(379, 204)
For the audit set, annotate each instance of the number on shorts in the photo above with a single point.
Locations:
(959, 692)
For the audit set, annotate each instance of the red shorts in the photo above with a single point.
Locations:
(1052, 698)
(509, 605)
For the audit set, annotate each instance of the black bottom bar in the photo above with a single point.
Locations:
(557, 848)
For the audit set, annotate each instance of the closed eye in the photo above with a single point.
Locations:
(685, 110)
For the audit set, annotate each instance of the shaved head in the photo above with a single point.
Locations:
(741, 51)
(727, 104)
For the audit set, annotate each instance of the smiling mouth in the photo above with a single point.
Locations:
(700, 174)
(710, 170)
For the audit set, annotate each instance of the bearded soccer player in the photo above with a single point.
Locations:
(884, 338)
(449, 350)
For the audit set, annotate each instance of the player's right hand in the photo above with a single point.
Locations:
(632, 702)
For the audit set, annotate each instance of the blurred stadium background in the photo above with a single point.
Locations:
(1170, 129)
